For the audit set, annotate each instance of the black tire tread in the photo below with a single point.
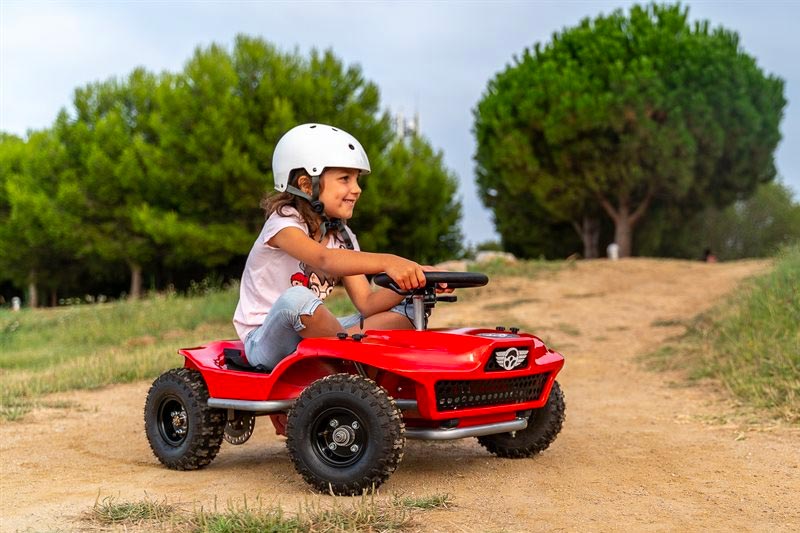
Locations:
(209, 423)
(391, 422)
(543, 428)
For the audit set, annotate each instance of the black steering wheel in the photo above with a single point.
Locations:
(454, 280)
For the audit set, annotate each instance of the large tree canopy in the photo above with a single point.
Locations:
(165, 172)
(621, 111)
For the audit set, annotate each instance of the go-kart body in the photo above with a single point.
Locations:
(441, 379)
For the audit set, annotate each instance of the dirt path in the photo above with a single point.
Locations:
(635, 453)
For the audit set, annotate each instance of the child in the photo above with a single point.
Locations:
(305, 248)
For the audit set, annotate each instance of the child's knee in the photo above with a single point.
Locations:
(298, 295)
(297, 302)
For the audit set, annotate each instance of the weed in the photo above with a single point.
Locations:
(433, 501)
(111, 511)
(530, 268)
(667, 323)
(750, 343)
(364, 514)
(501, 306)
(244, 520)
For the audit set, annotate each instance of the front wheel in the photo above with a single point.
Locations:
(345, 435)
(184, 433)
(544, 424)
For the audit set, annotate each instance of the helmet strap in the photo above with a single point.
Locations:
(316, 205)
(313, 199)
(337, 225)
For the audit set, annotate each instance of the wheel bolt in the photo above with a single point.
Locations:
(334, 422)
(354, 448)
(332, 445)
(354, 425)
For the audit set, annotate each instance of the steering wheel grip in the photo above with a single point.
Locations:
(454, 280)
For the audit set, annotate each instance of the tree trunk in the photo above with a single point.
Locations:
(623, 234)
(33, 292)
(624, 220)
(589, 232)
(53, 298)
(136, 281)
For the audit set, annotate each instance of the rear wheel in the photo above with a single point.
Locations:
(544, 424)
(184, 433)
(345, 435)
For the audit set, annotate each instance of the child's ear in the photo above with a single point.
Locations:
(304, 183)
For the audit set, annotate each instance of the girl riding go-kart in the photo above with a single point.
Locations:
(348, 391)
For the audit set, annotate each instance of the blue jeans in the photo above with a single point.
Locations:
(278, 336)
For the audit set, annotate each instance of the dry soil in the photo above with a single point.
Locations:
(637, 452)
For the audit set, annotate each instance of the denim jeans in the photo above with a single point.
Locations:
(278, 336)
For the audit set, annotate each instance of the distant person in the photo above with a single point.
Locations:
(708, 256)
(305, 248)
(612, 251)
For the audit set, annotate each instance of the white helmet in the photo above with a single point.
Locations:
(314, 147)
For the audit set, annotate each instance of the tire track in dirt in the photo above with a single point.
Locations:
(635, 453)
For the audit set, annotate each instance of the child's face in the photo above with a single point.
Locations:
(339, 192)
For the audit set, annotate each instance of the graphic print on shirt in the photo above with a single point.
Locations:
(320, 283)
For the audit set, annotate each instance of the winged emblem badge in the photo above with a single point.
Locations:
(511, 358)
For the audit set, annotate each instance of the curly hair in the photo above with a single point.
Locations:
(279, 201)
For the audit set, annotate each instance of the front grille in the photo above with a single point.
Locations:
(453, 395)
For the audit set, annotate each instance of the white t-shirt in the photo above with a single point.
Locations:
(269, 271)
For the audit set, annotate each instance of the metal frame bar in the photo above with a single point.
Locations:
(473, 431)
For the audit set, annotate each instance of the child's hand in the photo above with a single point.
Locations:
(406, 274)
(440, 287)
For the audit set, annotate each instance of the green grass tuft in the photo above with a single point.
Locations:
(110, 511)
(364, 514)
(526, 268)
(427, 503)
(244, 520)
(750, 343)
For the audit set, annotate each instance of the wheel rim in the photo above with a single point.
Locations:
(173, 421)
(338, 437)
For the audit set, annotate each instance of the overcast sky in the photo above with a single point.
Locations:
(434, 58)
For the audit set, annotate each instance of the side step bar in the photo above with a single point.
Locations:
(278, 406)
(473, 431)
(266, 406)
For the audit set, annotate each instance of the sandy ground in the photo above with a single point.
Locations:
(636, 453)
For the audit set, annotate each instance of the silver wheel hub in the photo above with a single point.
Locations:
(343, 436)
(178, 421)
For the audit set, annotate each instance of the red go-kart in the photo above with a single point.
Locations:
(347, 404)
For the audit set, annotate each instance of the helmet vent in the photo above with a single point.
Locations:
(313, 126)
(351, 146)
(334, 129)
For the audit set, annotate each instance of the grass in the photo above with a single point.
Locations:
(109, 511)
(750, 343)
(365, 514)
(44, 351)
(427, 503)
(525, 268)
(502, 306)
